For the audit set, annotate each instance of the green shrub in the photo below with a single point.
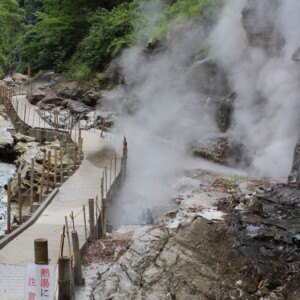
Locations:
(80, 72)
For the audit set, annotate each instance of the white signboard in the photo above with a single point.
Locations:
(39, 282)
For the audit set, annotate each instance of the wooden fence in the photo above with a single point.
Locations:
(59, 163)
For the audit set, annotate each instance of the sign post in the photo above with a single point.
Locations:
(40, 276)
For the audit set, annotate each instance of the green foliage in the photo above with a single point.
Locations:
(110, 32)
(202, 11)
(84, 36)
(80, 72)
(11, 17)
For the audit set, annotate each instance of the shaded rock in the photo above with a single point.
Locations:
(76, 107)
(212, 148)
(91, 98)
(70, 90)
(51, 99)
(225, 112)
(208, 78)
(37, 96)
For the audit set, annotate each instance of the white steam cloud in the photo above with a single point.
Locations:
(161, 112)
(266, 118)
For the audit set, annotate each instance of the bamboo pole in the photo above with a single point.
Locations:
(31, 185)
(20, 198)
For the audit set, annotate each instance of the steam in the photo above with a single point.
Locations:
(266, 118)
(161, 112)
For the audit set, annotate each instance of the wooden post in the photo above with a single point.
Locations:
(97, 225)
(61, 165)
(42, 178)
(64, 282)
(31, 185)
(55, 167)
(110, 175)
(85, 227)
(8, 206)
(103, 213)
(48, 172)
(41, 251)
(102, 188)
(77, 259)
(25, 113)
(106, 185)
(20, 198)
(75, 159)
(92, 220)
(115, 165)
(68, 235)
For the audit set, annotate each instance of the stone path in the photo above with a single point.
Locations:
(84, 184)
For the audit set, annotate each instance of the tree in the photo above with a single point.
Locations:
(11, 17)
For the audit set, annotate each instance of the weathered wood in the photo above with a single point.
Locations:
(42, 178)
(31, 185)
(8, 230)
(85, 226)
(64, 282)
(48, 172)
(61, 165)
(77, 259)
(41, 251)
(20, 198)
(55, 167)
(103, 213)
(92, 220)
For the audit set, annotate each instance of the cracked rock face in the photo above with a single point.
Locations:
(195, 261)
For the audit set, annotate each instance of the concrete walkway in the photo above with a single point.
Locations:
(74, 193)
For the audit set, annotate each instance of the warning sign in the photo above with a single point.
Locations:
(39, 282)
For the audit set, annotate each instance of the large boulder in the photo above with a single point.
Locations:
(9, 81)
(52, 100)
(211, 148)
(37, 96)
(91, 97)
(20, 78)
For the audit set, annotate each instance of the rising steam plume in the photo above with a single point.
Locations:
(161, 113)
(257, 58)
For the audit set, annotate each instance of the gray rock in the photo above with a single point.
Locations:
(211, 148)
(37, 96)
